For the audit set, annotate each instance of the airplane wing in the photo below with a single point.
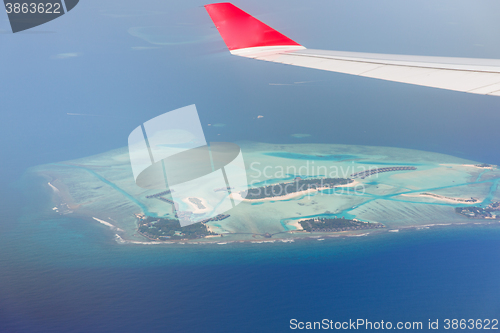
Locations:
(246, 36)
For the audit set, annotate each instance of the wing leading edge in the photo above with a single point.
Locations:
(248, 37)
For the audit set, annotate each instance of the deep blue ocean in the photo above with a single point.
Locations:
(79, 85)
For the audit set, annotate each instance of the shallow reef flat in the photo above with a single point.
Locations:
(424, 190)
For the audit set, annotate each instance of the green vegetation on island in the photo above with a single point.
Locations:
(298, 185)
(485, 165)
(492, 211)
(336, 224)
(170, 229)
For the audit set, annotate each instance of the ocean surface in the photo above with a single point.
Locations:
(69, 275)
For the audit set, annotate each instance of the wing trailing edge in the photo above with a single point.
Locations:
(248, 37)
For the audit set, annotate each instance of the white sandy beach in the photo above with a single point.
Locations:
(296, 224)
(56, 190)
(211, 228)
(107, 224)
(443, 198)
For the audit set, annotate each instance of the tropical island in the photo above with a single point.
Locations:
(485, 166)
(492, 211)
(445, 198)
(403, 188)
(336, 224)
(170, 229)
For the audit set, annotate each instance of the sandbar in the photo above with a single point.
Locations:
(237, 195)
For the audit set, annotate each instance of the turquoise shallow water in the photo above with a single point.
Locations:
(104, 180)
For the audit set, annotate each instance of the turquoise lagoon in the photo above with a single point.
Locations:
(102, 186)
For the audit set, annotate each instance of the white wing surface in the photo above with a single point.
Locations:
(248, 37)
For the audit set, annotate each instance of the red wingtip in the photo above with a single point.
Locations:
(240, 30)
